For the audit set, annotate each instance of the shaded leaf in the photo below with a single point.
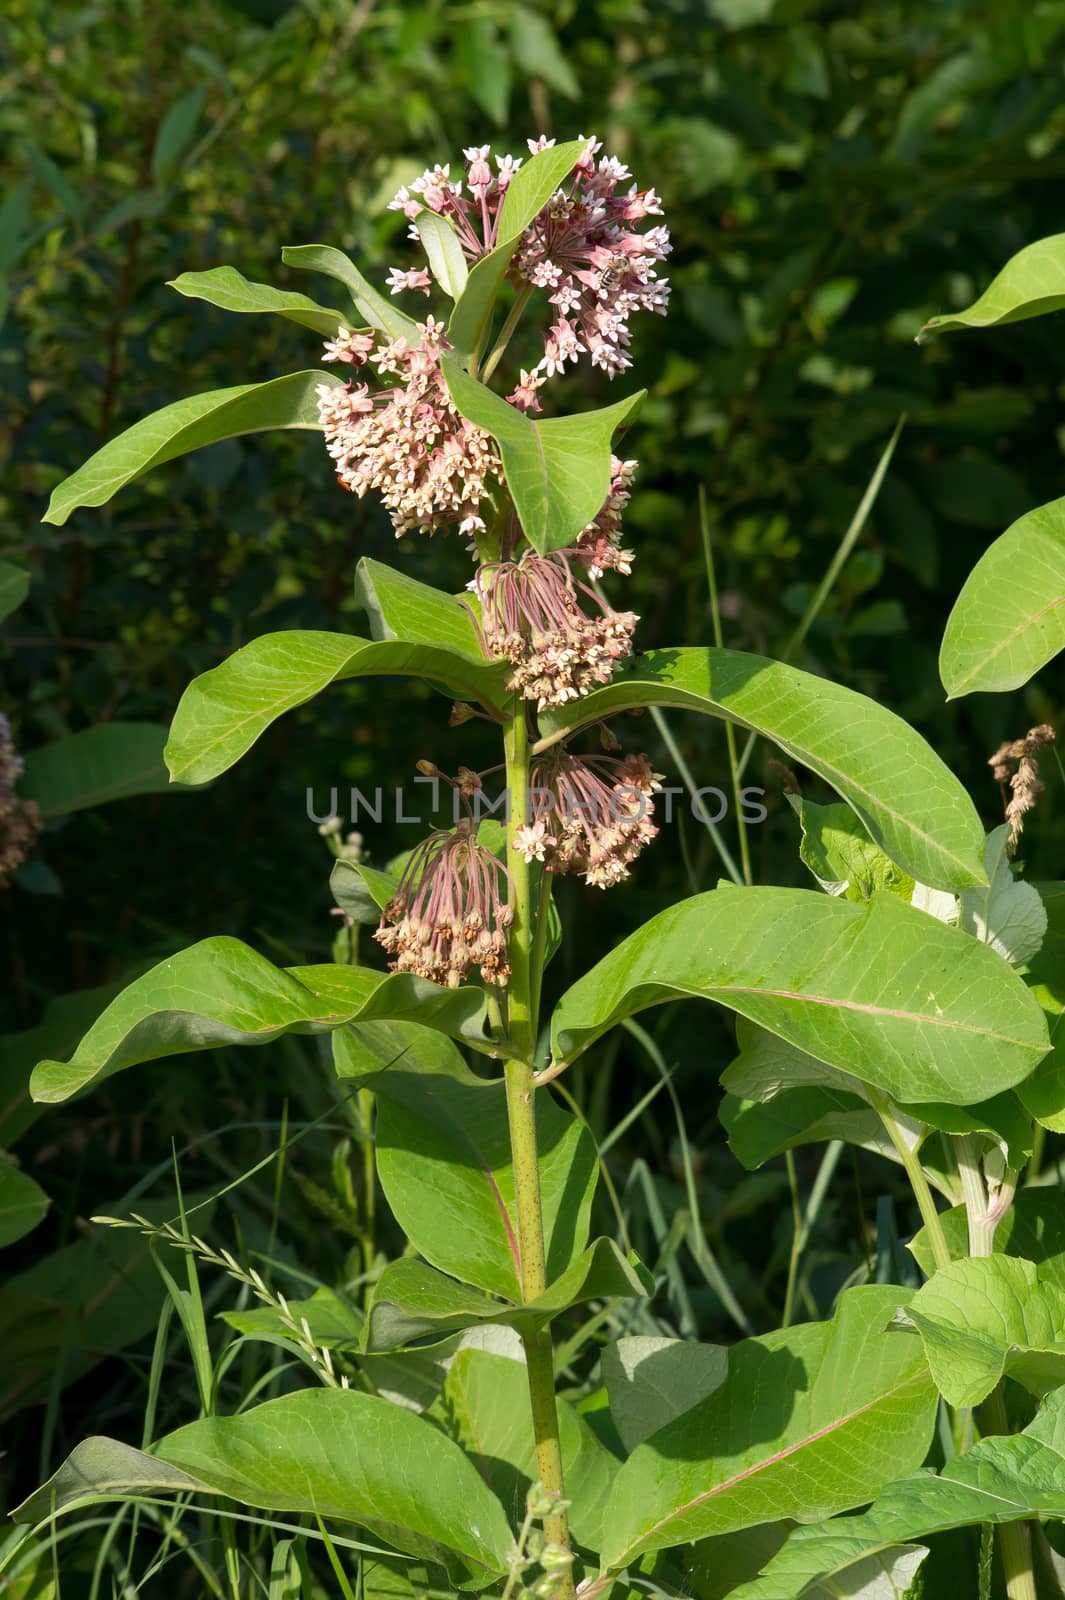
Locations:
(842, 857)
(23, 1203)
(1032, 1229)
(913, 807)
(176, 132)
(14, 587)
(290, 402)
(1009, 915)
(379, 312)
(110, 762)
(447, 263)
(229, 289)
(1031, 284)
(651, 1380)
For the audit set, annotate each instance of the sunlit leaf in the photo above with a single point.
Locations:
(229, 289)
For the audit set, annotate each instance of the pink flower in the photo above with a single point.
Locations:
(451, 910)
(350, 347)
(531, 616)
(595, 813)
(599, 544)
(530, 840)
(417, 279)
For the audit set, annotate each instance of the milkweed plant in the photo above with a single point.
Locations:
(906, 1001)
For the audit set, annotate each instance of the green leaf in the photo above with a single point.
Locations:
(223, 712)
(14, 587)
(176, 133)
(913, 807)
(379, 312)
(998, 1480)
(412, 1300)
(399, 607)
(531, 187)
(1030, 284)
(651, 1380)
(882, 991)
(1043, 1093)
(447, 263)
(1009, 915)
(202, 419)
(810, 1420)
(1009, 619)
(23, 1203)
(485, 65)
(535, 47)
(334, 1322)
(232, 291)
(110, 762)
(363, 1049)
(842, 857)
(220, 992)
(334, 1452)
(758, 1130)
(56, 182)
(989, 1318)
(558, 471)
(1033, 1229)
(484, 1408)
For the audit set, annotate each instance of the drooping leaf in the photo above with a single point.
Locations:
(913, 807)
(1009, 914)
(528, 192)
(220, 992)
(224, 711)
(1009, 619)
(110, 762)
(988, 1318)
(363, 1049)
(412, 1300)
(202, 419)
(558, 470)
(651, 1380)
(343, 1455)
(484, 1407)
(1031, 284)
(23, 1203)
(14, 587)
(445, 1165)
(447, 263)
(881, 991)
(232, 291)
(842, 857)
(810, 1420)
(379, 312)
(998, 1480)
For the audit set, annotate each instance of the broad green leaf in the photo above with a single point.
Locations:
(23, 1203)
(998, 1480)
(176, 132)
(899, 1000)
(447, 263)
(558, 470)
(484, 1407)
(913, 807)
(334, 1321)
(220, 992)
(363, 1049)
(720, 1566)
(651, 1380)
(361, 891)
(810, 1420)
(290, 402)
(399, 607)
(989, 1318)
(485, 62)
(1009, 914)
(527, 193)
(445, 1165)
(759, 1130)
(1009, 619)
(379, 312)
(223, 712)
(14, 587)
(1032, 1229)
(842, 857)
(338, 1453)
(413, 1300)
(109, 762)
(1031, 284)
(232, 291)
(1043, 1094)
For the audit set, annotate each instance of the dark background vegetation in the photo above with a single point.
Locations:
(833, 174)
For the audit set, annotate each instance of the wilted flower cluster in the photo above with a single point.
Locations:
(531, 616)
(20, 820)
(451, 910)
(590, 815)
(430, 466)
(583, 248)
(1015, 764)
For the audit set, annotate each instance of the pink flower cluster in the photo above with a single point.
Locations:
(583, 248)
(531, 616)
(451, 911)
(430, 466)
(599, 544)
(591, 815)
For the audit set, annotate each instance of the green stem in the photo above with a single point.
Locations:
(521, 1113)
(507, 331)
(911, 1165)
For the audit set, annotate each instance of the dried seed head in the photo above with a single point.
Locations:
(1015, 765)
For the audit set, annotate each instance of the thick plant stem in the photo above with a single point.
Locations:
(911, 1165)
(1014, 1538)
(522, 1117)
